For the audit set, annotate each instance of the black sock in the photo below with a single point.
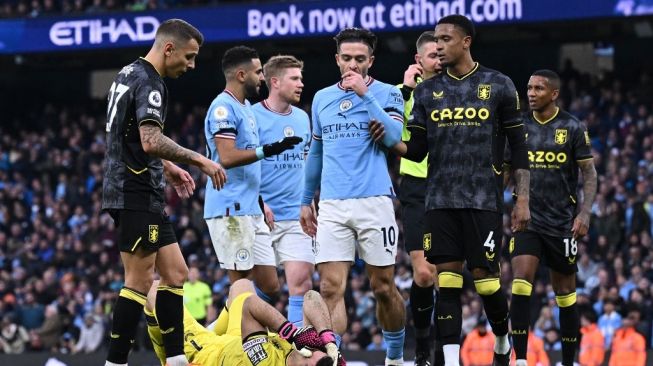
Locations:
(438, 353)
(421, 306)
(449, 315)
(520, 316)
(569, 332)
(496, 309)
(170, 307)
(126, 315)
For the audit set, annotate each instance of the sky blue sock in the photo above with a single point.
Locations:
(395, 342)
(295, 310)
(263, 295)
(338, 339)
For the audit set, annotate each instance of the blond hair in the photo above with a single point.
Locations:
(276, 66)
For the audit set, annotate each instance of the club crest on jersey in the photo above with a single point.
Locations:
(127, 70)
(484, 91)
(426, 243)
(220, 113)
(437, 95)
(345, 105)
(154, 98)
(252, 123)
(288, 131)
(561, 136)
(153, 233)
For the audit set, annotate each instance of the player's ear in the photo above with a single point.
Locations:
(371, 61)
(418, 59)
(241, 75)
(274, 82)
(168, 48)
(467, 42)
(555, 94)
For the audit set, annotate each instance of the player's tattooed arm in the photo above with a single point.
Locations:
(522, 182)
(590, 183)
(155, 143)
(521, 214)
(582, 220)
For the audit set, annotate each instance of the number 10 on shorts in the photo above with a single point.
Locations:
(389, 236)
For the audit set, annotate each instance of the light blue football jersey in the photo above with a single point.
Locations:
(282, 176)
(353, 166)
(229, 119)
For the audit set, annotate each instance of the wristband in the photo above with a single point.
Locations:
(259, 153)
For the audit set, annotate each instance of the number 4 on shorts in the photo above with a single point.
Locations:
(489, 242)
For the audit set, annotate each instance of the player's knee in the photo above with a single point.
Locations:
(140, 282)
(487, 286)
(382, 289)
(483, 273)
(565, 300)
(331, 289)
(521, 287)
(299, 286)
(423, 277)
(564, 287)
(312, 295)
(175, 276)
(447, 279)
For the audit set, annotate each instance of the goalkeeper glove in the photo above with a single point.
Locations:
(302, 339)
(280, 146)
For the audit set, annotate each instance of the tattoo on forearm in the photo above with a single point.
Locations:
(589, 184)
(164, 148)
(522, 182)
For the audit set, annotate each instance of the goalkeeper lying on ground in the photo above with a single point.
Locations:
(240, 336)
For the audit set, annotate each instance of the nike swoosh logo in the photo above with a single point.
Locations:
(168, 331)
(115, 336)
(425, 309)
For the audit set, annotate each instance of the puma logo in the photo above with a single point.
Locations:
(168, 331)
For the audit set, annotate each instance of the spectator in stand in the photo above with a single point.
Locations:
(609, 322)
(90, 334)
(30, 313)
(592, 343)
(628, 346)
(545, 321)
(13, 337)
(377, 344)
(552, 340)
(478, 346)
(47, 336)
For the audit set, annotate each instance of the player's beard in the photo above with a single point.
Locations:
(251, 90)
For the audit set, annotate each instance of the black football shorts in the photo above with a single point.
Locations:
(142, 229)
(412, 192)
(457, 235)
(558, 253)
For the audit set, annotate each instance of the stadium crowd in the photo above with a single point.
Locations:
(59, 271)
(40, 8)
